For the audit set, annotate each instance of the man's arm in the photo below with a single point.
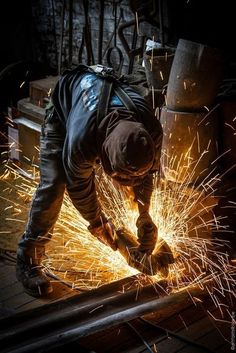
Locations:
(143, 193)
(82, 191)
(147, 230)
(81, 185)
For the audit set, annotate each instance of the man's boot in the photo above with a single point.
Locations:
(29, 271)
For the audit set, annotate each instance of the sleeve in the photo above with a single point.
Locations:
(143, 193)
(81, 184)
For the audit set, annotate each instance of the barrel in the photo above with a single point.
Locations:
(189, 149)
(155, 97)
(157, 64)
(195, 76)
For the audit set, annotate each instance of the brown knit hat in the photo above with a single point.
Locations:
(129, 149)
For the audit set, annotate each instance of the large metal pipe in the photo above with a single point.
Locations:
(82, 320)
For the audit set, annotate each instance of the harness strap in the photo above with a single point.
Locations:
(104, 99)
(110, 82)
(125, 99)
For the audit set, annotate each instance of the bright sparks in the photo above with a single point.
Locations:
(184, 217)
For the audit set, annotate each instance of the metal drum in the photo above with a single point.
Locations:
(158, 63)
(195, 76)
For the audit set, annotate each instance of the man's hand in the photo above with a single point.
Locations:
(147, 233)
(104, 232)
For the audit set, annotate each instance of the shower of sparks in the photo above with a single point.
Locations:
(183, 213)
(184, 217)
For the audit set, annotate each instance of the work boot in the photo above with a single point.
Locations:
(29, 273)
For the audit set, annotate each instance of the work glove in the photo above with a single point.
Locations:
(147, 233)
(104, 231)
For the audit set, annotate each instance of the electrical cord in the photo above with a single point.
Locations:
(175, 335)
(140, 336)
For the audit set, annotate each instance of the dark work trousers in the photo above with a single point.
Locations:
(48, 197)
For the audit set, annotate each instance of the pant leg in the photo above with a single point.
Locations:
(48, 197)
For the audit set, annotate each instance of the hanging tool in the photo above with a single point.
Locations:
(130, 52)
(114, 56)
(100, 38)
(133, 46)
(121, 17)
(161, 23)
(86, 38)
(70, 46)
(61, 36)
(54, 30)
(145, 11)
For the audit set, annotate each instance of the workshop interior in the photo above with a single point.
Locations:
(181, 57)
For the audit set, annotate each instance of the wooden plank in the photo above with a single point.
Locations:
(14, 299)
(7, 276)
(60, 291)
(21, 301)
(17, 299)
(6, 311)
(214, 340)
(172, 344)
(115, 340)
(224, 349)
(11, 291)
(179, 320)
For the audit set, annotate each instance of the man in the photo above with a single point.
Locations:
(94, 116)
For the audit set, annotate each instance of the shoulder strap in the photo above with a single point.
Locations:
(125, 98)
(104, 99)
(110, 81)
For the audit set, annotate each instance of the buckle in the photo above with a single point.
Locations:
(104, 70)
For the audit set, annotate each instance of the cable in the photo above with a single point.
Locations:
(173, 334)
(140, 336)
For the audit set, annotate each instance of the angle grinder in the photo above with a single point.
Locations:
(158, 262)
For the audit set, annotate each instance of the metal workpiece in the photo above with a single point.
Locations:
(157, 262)
(68, 320)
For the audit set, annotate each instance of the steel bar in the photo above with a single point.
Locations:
(82, 319)
(100, 37)
(61, 36)
(70, 43)
(161, 23)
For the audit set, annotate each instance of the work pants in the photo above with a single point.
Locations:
(48, 197)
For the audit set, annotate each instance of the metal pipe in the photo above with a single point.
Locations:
(70, 42)
(61, 36)
(116, 311)
(161, 23)
(100, 38)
